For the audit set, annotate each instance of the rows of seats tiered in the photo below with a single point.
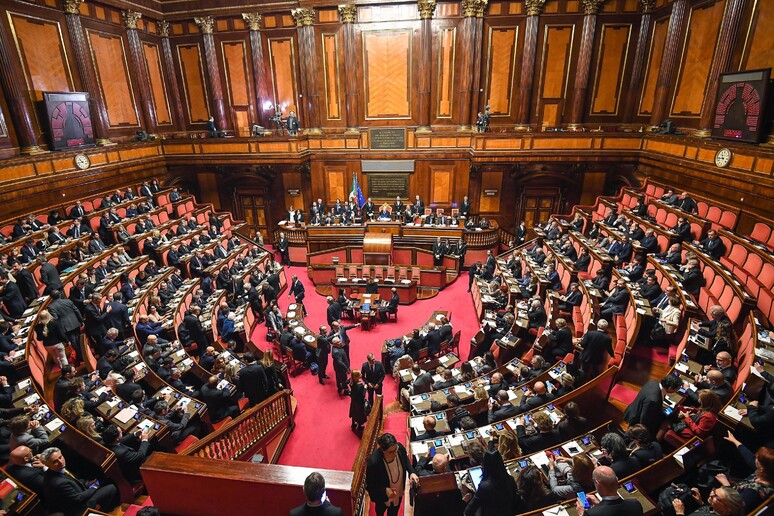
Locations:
(130, 314)
(637, 274)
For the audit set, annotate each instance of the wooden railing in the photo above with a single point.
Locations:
(373, 430)
(253, 431)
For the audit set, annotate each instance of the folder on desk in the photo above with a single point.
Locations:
(125, 415)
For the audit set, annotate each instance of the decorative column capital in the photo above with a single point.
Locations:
(72, 6)
(253, 20)
(130, 19)
(206, 24)
(592, 6)
(426, 8)
(647, 6)
(348, 13)
(475, 8)
(163, 26)
(304, 16)
(534, 7)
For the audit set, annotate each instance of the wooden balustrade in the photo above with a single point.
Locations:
(254, 431)
(371, 433)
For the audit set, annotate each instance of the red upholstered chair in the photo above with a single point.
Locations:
(187, 442)
(219, 424)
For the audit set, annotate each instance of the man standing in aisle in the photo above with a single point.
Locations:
(323, 350)
(373, 374)
(282, 247)
(297, 289)
(293, 125)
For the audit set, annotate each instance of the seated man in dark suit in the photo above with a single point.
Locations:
(131, 450)
(316, 502)
(611, 504)
(686, 203)
(219, 402)
(617, 301)
(561, 342)
(535, 398)
(392, 306)
(428, 422)
(693, 279)
(712, 245)
(25, 468)
(573, 298)
(67, 494)
(501, 408)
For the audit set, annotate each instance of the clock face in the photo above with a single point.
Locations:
(82, 161)
(723, 157)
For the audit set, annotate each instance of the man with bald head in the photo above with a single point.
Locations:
(27, 469)
(435, 465)
(714, 381)
(611, 503)
(430, 432)
(725, 364)
(536, 397)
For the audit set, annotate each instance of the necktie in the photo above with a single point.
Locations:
(74, 478)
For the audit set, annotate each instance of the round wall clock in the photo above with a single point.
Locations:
(723, 157)
(82, 161)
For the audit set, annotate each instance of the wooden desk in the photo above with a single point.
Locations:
(406, 291)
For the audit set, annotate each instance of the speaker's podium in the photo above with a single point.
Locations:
(377, 248)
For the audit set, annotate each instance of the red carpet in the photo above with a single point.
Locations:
(322, 437)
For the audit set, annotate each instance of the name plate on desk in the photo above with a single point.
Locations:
(387, 138)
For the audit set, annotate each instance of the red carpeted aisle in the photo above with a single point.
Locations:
(322, 437)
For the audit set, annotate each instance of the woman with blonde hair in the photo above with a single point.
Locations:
(508, 445)
(568, 476)
(72, 410)
(87, 425)
(357, 392)
(272, 375)
(479, 393)
(50, 332)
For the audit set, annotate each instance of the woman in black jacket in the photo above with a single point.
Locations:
(357, 394)
(386, 474)
(642, 446)
(50, 332)
(273, 378)
(496, 494)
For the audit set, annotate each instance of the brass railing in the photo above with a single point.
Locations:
(250, 433)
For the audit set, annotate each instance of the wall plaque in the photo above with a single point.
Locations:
(388, 186)
(387, 138)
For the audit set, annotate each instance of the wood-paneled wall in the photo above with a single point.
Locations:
(484, 57)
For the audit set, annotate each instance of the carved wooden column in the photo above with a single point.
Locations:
(212, 72)
(253, 21)
(470, 10)
(171, 74)
(304, 17)
(99, 117)
(641, 51)
(721, 63)
(348, 14)
(534, 8)
(668, 62)
(16, 97)
(478, 43)
(590, 9)
(426, 10)
(137, 58)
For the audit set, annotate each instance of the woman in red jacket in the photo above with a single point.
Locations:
(699, 423)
